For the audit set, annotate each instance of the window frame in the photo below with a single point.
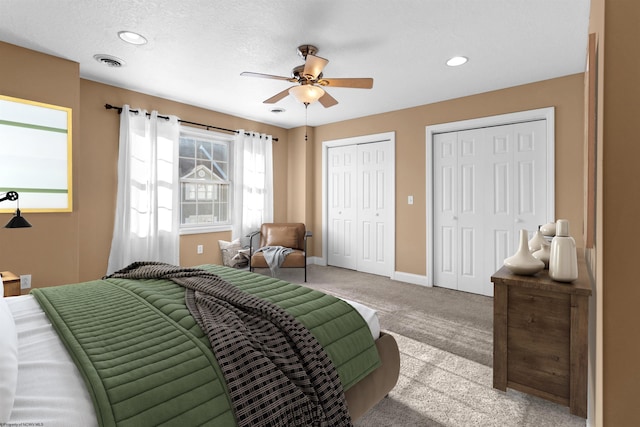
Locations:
(217, 137)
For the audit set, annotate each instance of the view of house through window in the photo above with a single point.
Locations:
(205, 185)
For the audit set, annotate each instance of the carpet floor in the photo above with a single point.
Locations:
(446, 350)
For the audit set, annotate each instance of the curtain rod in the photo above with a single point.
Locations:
(111, 107)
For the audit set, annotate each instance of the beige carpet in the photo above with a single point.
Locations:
(446, 344)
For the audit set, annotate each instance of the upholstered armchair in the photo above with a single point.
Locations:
(287, 235)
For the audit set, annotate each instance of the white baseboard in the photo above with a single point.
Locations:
(415, 279)
(316, 260)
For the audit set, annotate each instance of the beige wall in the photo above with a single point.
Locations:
(618, 207)
(43, 250)
(70, 247)
(297, 173)
(594, 254)
(565, 94)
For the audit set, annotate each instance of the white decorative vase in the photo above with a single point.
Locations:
(522, 262)
(549, 229)
(563, 260)
(544, 253)
(536, 241)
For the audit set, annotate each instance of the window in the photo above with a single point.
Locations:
(205, 185)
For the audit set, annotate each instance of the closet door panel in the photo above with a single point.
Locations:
(373, 205)
(445, 183)
(500, 217)
(342, 207)
(472, 155)
(530, 158)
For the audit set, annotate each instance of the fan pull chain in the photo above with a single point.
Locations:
(306, 115)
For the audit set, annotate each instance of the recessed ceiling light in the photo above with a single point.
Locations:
(457, 60)
(131, 37)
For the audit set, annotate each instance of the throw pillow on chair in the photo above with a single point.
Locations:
(230, 253)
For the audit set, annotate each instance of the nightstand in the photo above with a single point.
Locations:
(541, 336)
(11, 284)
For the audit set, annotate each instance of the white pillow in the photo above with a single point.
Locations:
(8, 361)
(369, 315)
(229, 250)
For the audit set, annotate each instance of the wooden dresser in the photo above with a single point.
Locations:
(540, 336)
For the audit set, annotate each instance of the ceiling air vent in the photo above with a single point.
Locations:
(109, 61)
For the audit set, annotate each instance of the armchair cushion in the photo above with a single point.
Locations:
(280, 234)
(295, 259)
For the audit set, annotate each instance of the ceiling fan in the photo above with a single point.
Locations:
(310, 81)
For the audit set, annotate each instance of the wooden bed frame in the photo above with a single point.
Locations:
(377, 385)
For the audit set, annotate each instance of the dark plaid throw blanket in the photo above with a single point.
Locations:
(276, 372)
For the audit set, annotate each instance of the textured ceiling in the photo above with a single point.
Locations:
(197, 49)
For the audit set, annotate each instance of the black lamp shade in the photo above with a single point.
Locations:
(17, 221)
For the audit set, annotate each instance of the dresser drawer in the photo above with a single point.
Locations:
(538, 336)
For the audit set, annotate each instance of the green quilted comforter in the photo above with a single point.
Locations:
(146, 361)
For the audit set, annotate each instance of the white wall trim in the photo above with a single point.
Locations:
(547, 114)
(415, 279)
(364, 139)
(316, 260)
(400, 276)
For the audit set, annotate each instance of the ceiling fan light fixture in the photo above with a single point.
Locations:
(457, 60)
(307, 94)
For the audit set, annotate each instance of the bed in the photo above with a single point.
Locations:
(153, 363)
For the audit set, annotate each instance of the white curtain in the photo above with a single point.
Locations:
(147, 207)
(253, 182)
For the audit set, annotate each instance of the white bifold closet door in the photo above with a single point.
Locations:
(358, 207)
(342, 211)
(488, 184)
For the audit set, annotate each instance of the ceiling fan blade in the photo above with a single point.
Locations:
(358, 83)
(277, 97)
(314, 65)
(327, 100)
(267, 76)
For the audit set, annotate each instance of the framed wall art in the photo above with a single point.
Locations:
(35, 155)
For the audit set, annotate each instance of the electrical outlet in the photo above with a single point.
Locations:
(25, 281)
(200, 249)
